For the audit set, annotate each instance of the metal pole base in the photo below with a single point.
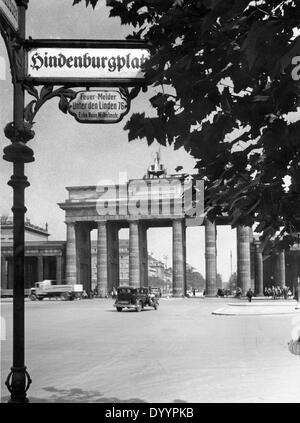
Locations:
(18, 382)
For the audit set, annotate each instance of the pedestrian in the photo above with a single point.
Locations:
(238, 292)
(273, 292)
(249, 295)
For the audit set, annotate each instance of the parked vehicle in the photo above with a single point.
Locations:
(135, 298)
(49, 289)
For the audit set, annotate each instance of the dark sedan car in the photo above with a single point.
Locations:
(134, 298)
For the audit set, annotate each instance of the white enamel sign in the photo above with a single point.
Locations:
(9, 9)
(101, 106)
(86, 63)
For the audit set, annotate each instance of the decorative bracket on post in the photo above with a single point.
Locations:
(136, 90)
(46, 93)
(65, 93)
(14, 50)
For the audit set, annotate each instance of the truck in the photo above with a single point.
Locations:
(49, 289)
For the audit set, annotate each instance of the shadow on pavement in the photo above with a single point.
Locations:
(76, 395)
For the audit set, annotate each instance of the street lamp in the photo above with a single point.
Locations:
(19, 132)
(18, 153)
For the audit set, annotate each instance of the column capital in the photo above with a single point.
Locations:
(136, 221)
(207, 220)
(101, 223)
(70, 223)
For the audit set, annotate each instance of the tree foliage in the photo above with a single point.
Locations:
(194, 279)
(224, 92)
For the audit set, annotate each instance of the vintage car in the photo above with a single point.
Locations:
(134, 298)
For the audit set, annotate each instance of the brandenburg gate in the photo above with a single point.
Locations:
(139, 204)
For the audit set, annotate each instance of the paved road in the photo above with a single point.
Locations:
(85, 351)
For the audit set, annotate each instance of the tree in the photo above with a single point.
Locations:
(194, 279)
(232, 283)
(226, 86)
(156, 282)
(219, 281)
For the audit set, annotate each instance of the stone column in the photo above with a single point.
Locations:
(3, 273)
(281, 269)
(112, 255)
(210, 258)
(252, 259)
(134, 254)
(143, 255)
(294, 272)
(58, 270)
(243, 259)
(83, 255)
(40, 267)
(46, 268)
(10, 273)
(102, 260)
(259, 282)
(179, 259)
(71, 269)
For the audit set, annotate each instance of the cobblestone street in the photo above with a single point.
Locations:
(84, 351)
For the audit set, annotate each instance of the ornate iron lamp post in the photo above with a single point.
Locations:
(18, 153)
(19, 132)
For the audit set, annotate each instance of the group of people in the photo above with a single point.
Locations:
(278, 292)
(223, 292)
(92, 294)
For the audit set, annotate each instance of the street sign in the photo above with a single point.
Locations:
(9, 10)
(102, 106)
(86, 63)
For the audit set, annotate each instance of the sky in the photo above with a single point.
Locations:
(68, 153)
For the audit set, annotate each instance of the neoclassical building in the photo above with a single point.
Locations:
(153, 201)
(44, 259)
(156, 200)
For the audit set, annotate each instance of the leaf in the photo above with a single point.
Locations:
(87, 2)
(47, 89)
(31, 90)
(134, 92)
(67, 92)
(28, 111)
(63, 104)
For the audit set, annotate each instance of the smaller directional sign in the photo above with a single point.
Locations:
(101, 106)
(9, 10)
